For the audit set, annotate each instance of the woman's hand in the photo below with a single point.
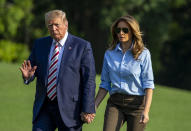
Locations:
(144, 117)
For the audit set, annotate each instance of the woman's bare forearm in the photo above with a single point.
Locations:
(148, 99)
(100, 96)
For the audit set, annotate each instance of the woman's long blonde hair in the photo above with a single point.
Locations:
(138, 45)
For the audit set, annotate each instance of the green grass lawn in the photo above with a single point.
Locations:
(170, 111)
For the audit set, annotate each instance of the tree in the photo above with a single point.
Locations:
(164, 23)
(15, 19)
(176, 51)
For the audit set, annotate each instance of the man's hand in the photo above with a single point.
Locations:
(87, 117)
(27, 70)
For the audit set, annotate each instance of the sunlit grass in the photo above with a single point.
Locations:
(170, 109)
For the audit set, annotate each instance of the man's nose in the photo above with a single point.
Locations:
(54, 27)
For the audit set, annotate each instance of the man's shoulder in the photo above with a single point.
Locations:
(44, 39)
(78, 40)
(42, 42)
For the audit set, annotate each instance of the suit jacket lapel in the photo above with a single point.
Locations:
(48, 43)
(67, 48)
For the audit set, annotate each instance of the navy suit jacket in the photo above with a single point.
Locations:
(76, 78)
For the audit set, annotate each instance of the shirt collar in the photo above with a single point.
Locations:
(63, 40)
(118, 48)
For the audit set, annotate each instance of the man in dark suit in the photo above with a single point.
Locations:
(65, 87)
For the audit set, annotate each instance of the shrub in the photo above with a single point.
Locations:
(13, 52)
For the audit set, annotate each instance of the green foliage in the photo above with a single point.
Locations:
(15, 16)
(2, 28)
(13, 52)
(176, 50)
(12, 21)
(164, 23)
(178, 3)
(153, 22)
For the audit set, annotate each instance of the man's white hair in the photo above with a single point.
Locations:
(55, 14)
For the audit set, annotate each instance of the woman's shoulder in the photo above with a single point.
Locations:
(109, 51)
(144, 53)
(109, 54)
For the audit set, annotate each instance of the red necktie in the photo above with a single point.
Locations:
(52, 75)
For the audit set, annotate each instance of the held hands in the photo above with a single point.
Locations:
(144, 117)
(27, 70)
(87, 117)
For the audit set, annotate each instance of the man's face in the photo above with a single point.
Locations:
(57, 28)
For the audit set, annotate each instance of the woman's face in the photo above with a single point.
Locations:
(123, 32)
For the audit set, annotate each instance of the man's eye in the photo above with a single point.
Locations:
(51, 25)
(57, 25)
